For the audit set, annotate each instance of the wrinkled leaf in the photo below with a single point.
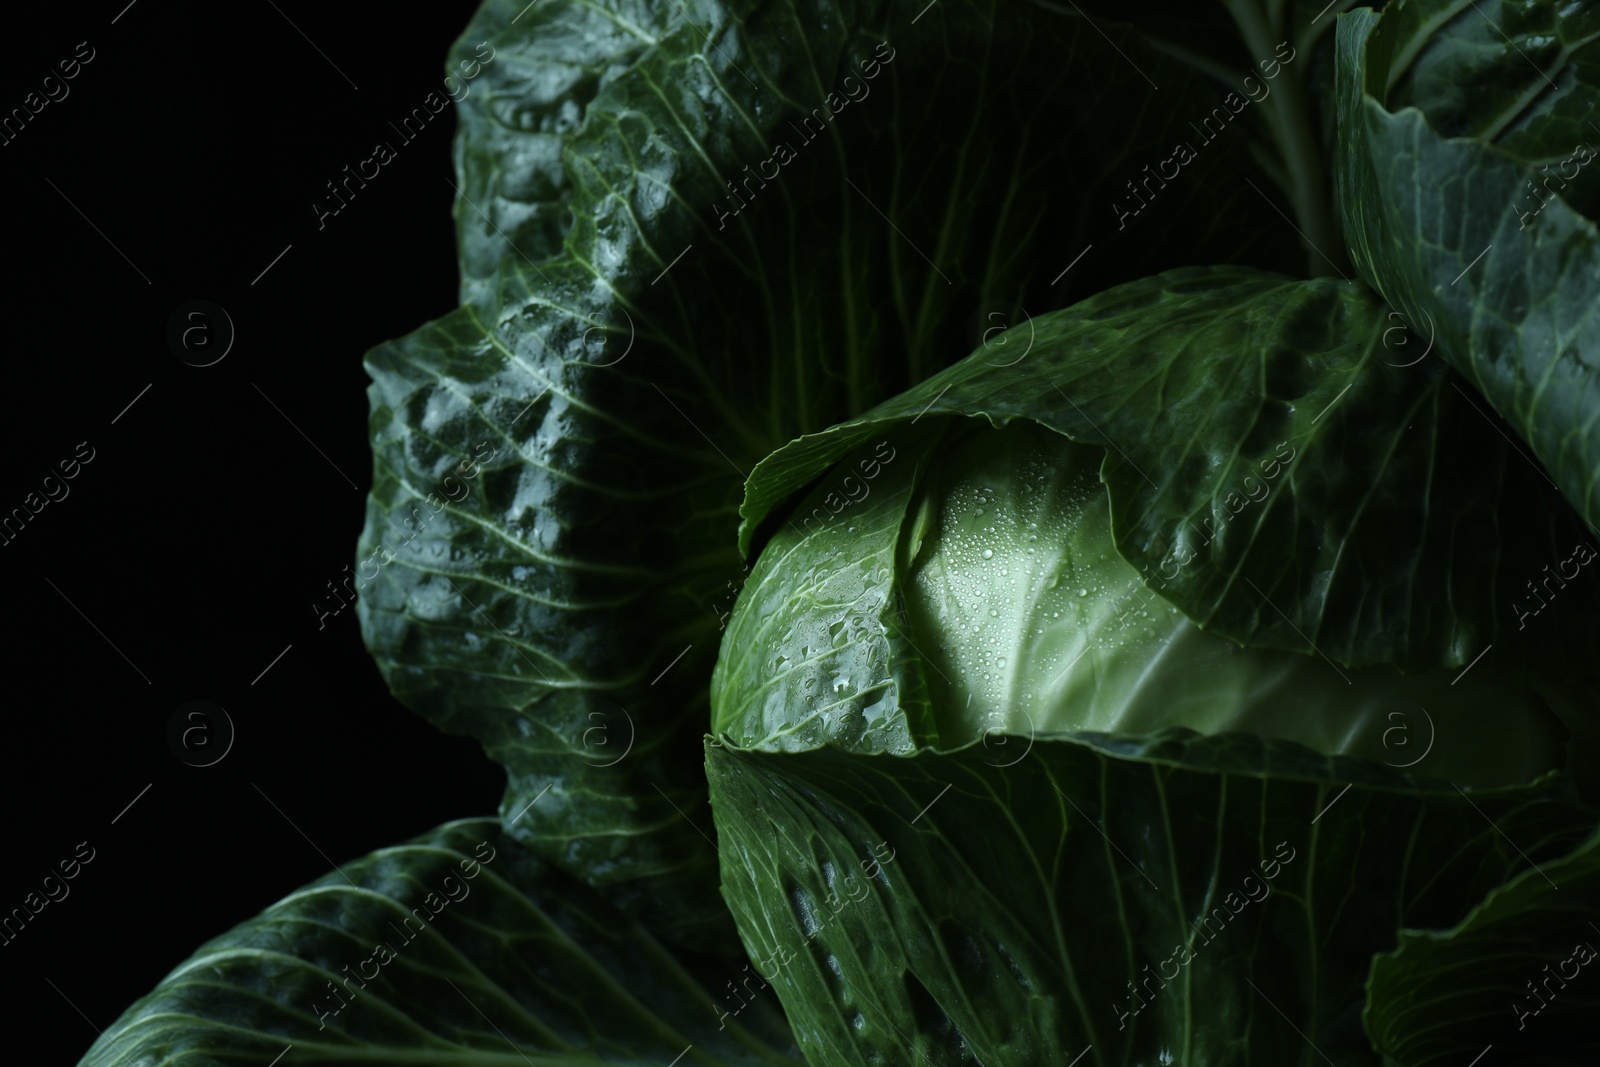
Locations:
(647, 316)
(1273, 468)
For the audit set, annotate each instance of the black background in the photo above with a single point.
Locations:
(192, 545)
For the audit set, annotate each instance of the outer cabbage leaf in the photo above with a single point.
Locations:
(820, 648)
(458, 949)
(975, 590)
(690, 232)
(1522, 957)
(1272, 469)
(1468, 191)
(1144, 901)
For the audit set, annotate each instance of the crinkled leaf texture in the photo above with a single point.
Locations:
(491, 959)
(1166, 897)
(690, 232)
(1274, 469)
(1159, 900)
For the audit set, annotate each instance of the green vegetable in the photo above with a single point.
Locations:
(991, 587)
(1499, 261)
(459, 947)
(983, 533)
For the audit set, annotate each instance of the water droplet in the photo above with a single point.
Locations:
(994, 613)
(988, 553)
(1083, 592)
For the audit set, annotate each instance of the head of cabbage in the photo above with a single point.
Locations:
(957, 583)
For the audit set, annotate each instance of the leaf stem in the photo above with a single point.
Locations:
(1289, 120)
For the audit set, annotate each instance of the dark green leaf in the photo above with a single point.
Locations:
(1506, 977)
(1026, 892)
(1274, 469)
(457, 949)
(1449, 115)
(648, 316)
